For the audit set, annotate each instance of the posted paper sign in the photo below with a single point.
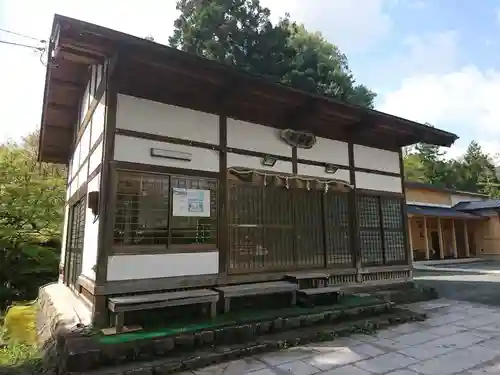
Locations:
(191, 202)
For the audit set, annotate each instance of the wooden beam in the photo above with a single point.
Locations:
(454, 239)
(78, 56)
(232, 85)
(427, 252)
(67, 84)
(62, 107)
(466, 238)
(363, 126)
(295, 117)
(410, 237)
(440, 235)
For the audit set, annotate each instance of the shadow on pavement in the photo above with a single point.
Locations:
(471, 286)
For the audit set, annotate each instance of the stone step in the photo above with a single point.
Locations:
(190, 360)
(94, 352)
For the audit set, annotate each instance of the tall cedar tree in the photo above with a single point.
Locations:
(240, 33)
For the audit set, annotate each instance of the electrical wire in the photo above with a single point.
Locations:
(22, 35)
(22, 45)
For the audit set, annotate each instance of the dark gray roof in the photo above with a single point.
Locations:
(478, 205)
(439, 212)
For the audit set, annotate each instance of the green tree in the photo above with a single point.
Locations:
(236, 32)
(31, 208)
(240, 33)
(478, 173)
(433, 165)
(319, 66)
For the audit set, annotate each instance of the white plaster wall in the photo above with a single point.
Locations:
(157, 118)
(68, 192)
(89, 257)
(253, 162)
(248, 136)
(72, 187)
(82, 176)
(137, 150)
(376, 159)
(457, 198)
(75, 160)
(133, 267)
(84, 106)
(64, 236)
(98, 120)
(85, 144)
(95, 158)
(317, 171)
(326, 150)
(378, 182)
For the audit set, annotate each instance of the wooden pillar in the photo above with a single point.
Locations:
(454, 239)
(466, 238)
(410, 238)
(426, 239)
(441, 243)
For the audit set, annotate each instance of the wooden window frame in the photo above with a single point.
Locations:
(169, 247)
(381, 229)
(75, 232)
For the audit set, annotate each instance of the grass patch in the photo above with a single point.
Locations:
(18, 333)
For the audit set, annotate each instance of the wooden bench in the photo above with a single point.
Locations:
(228, 292)
(318, 279)
(316, 291)
(120, 305)
(309, 296)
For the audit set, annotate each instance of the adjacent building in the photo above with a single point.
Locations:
(446, 224)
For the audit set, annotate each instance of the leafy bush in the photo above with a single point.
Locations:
(31, 209)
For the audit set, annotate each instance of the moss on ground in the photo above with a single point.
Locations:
(18, 334)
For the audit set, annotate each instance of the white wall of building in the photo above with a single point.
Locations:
(134, 267)
(319, 171)
(243, 135)
(378, 182)
(82, 163)
(89, 257)
(167, 120)
(138, 150)
(376, 159)
(254, 162)
(327, 151)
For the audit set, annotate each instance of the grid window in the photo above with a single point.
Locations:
(381, 230)
(338, 243)
(144, 215)
(76, 234)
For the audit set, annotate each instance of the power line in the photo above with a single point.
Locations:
(22, 45)
(22, 35)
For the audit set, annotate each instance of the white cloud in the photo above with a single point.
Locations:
(352, 25)
(462, 101)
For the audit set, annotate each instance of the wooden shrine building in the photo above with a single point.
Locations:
(185, 174)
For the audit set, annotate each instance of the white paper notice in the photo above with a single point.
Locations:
(191, 202)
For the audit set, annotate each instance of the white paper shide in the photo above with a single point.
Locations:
(191, 202)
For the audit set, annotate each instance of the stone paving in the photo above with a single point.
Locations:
(460, 338)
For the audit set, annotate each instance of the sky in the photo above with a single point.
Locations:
(435, 61)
